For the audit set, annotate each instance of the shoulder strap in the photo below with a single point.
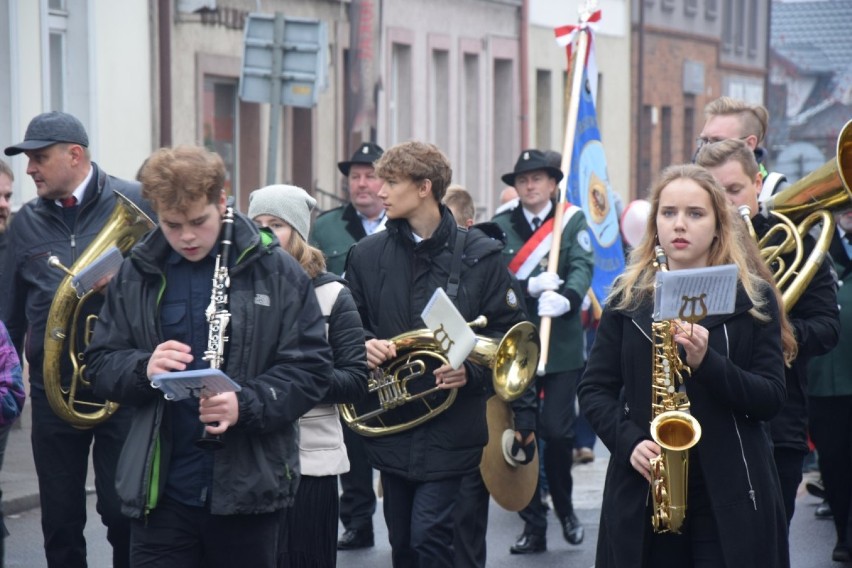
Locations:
(326, 296)
(455, 267)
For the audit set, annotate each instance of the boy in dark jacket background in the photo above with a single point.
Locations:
(190, 506)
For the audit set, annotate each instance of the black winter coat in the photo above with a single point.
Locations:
(738, 386)
(392, 278)
(277, 352)
(816, 323)
(29, 284)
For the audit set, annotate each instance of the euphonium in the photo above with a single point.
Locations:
(126, 224)
(807, 202)
(672, 427)
(393, 386)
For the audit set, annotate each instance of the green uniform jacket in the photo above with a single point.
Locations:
(334, 232)
(831, 374)
(576, 263)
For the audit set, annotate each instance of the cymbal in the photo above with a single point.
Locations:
(511, 486)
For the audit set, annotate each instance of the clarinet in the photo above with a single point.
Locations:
(218, 317)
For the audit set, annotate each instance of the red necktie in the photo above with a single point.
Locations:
(68, 201)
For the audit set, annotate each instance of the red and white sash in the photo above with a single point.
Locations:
(538, 246)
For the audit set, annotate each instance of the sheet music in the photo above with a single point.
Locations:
(696, 292)
(178, 385)
(452, 333)
(107, 264)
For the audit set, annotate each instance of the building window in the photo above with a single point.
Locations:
(711, 9)
(646, 141)
(400, 93)
(219, 115)
(666, 136)
(667, 5)
(543, 111)
(690, 7)
(503, 116)
(753, 27)
(471, 122)
(740, 19)
(688, 130)
(57, 66)
(728, 26)
(440, 100)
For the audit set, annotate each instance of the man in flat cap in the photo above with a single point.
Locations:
(75, 199)
(557, 295)
(334, 232)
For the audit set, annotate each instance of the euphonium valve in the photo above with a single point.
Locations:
(398, 400)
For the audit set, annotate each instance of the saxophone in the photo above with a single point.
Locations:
(218, 316)
(672, 427)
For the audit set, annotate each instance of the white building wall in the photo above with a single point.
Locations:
(111, 54)
(612, 35)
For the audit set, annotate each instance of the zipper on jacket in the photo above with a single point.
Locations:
(751, 494)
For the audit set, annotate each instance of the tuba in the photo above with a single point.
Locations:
(807, 202)
(399, 399)
(126, 224)
(673, 428)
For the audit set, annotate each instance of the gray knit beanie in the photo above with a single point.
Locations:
(287, 202)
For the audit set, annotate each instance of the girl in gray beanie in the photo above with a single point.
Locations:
(308, 532)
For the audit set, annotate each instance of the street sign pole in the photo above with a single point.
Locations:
(275, 99)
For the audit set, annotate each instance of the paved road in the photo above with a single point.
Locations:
(811, 539)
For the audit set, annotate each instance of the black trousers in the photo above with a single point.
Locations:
(420, 516)
(308, 537)
(179, 536)
(471, 522)
(358, 499)
(830, 422)
(788, 462)
(556, 427)
(61, 454)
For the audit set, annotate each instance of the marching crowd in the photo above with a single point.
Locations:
(308, 313)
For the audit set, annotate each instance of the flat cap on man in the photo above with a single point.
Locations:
(51, 128)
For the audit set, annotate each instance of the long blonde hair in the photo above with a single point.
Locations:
(732, 245)
(636, 284)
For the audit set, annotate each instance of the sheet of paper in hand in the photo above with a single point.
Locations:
(178, 385)
(452, 333)
(694, 293)
(104, 266)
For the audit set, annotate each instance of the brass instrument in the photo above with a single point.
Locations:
(395, 385)
(672, 427)
(807, 202)
(126, 225)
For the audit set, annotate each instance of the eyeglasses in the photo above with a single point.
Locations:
(702, 140)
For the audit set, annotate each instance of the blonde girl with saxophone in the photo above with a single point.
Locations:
(734, 380)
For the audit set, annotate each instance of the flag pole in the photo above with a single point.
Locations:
(576, 79)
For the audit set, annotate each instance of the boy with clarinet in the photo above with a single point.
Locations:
(190, 506)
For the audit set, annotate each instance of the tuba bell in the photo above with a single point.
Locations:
(125, 225)
(800, 207)
(398, 399)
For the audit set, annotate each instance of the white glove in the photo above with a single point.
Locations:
(553, 305)
(544, 281)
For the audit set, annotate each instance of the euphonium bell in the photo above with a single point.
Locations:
(398, 399)
(800, 207)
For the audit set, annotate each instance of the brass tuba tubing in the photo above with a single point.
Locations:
(512, 360)
(125, 225)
